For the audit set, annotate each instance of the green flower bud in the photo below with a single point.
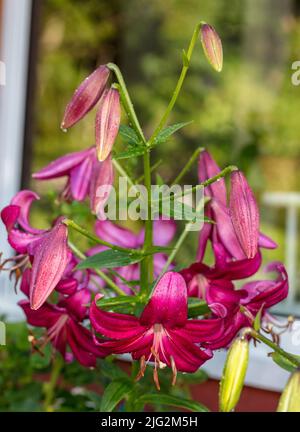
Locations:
(290, 399)
(234, 373)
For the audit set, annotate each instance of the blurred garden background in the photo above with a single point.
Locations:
(248, 115)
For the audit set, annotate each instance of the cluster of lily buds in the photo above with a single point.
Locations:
(87, 95)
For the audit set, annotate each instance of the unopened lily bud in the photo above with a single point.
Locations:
(234, 375)
(85, 97)
(212, 46)
(50, 259)
(107, 123)
(244, 214)
(290, 399)
(101, 184)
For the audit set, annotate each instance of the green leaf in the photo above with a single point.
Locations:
(114, 393)
(197, 377)
(110, 303)
(110, 259)
(197, 307)
(164, 399)
(180, 211)
(129, 135)
(257, 320)
(131, 153)
(168, 131)
(283, 362)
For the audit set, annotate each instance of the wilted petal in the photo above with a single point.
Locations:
(107, 123)
(244, 213)
(101, 184)
(212, 46)
(85, 97)
(168, 303)
(50, 260)
(62, 166)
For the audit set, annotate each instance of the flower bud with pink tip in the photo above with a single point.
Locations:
(212, 46)
(107, 123)
(85, 96)
(244, 214)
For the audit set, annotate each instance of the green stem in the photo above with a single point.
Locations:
(179, 84)
(187, 166)
(49, 387)
(147, 263)
(272, 345)
(103, 276)
(153, 168)
(126, 101)
(206, 183)
(87, 234)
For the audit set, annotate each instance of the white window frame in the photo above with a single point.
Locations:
(15, 36)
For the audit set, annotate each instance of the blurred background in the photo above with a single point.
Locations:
(247, 115)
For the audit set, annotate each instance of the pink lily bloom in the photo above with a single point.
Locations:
(238, 308)
(85, 96)
(199, 276)
(84, 176)
(163, 233)
(162, 334)
(63, 323)
(48, 249)
(225, 241)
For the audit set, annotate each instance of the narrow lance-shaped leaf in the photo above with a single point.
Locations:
(109, 259)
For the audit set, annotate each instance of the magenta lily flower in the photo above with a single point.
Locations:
(238, 308)
(63, 323)
(84, 176)
(47, 249)
(163, 233)
(162, 334)
(226, 243)
(199, 276)
(86, 96)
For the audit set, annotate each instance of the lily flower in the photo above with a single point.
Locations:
(47, 249)
(238, 308)
(163, 233)
(86, 96)
(227, 245)
(162, 334)
(85, 174)
(63, 323)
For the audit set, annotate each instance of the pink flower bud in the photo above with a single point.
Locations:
(212, 46)
(50, 259)
(107, 123)
(244, 214)
(101, 184)
(85, 97)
